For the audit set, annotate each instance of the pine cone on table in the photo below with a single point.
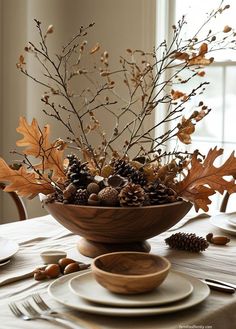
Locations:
(132, 195)
(158, 193)
(187, 241)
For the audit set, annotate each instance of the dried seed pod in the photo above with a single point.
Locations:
(116, 181)
(220, 240)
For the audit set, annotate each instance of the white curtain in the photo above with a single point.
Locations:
(119, 25)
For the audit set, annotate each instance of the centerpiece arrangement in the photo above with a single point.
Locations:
(119, 185)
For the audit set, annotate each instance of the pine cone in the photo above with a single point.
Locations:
(132, 195)
(77, 172)
(108, 196)
(158, 193)
(187, 241)
(56, 196)
(125, 169)
(81, 197)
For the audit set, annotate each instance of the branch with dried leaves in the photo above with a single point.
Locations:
(81, 87)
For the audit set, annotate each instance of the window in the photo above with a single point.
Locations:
(218, 128)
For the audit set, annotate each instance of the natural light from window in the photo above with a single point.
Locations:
(218, 128)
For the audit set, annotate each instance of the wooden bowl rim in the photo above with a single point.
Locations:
(166, 269)
(123, 208)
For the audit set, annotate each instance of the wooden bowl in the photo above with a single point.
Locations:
(130, 272)
(108, 229)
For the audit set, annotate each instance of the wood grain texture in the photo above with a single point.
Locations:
(118, 225)
(93, 249)
(130, 272)
(108, 229)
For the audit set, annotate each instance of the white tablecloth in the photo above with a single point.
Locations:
(36, 235)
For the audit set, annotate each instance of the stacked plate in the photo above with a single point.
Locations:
(8, 249)
(226, 222)
(81, 292)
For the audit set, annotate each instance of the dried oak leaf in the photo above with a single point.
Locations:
(26, 184)
(204, 179)
(37, 144)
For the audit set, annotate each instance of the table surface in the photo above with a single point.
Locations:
(38, 234)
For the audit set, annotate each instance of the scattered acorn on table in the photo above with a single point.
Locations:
(64, 266)
(218, 240)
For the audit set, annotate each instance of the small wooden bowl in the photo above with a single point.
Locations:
(130, 272)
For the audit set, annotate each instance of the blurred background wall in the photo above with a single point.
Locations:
(118, 25)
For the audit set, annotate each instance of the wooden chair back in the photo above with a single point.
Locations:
(22, 213)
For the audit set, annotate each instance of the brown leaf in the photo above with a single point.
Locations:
(204, 179)
(37, 144)
(186, 129)
(91, 163)
(176, 94)
(201, 115)
(26, 184)
(203, 49)
(181, 56)
(200, 60)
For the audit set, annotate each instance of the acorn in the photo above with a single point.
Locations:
(52, 271)
(70, 268)
(108, 196)
(220, 240)
(63, 262)
(40, 275)
(94, 200)
(93, 188)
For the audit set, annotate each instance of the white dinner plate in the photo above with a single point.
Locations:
(8, 248)
(60, 291)
(174, 288)
(231, 219)
(222, 221)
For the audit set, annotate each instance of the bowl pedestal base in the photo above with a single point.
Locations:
(93, 249)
